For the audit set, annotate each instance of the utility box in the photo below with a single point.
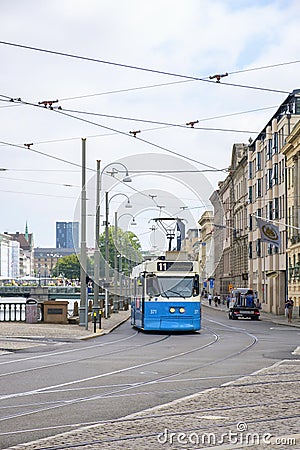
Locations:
(31, 310)
(56, 311)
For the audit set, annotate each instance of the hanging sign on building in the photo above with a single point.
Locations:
(268, 232)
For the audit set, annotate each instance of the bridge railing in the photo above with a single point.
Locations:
(16, 312)
(15, 290)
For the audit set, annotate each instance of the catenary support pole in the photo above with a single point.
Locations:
(83, 258)
(96, 306)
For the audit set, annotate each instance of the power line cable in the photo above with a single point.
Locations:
(138, 138)
(157, 128)
(43, 154)
(119, 91)
(38, 181)
(111, 129)
(36, 193)
(167, 124)
(144, 69)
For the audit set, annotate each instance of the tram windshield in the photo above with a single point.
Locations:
(171, 286)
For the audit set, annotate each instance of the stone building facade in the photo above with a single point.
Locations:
(291, 150)
(267, 199)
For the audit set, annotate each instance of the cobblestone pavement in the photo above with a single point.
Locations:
(252, 412)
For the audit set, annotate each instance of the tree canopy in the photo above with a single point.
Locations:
(69, 267)
(127, 246)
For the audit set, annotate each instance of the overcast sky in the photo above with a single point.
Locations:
(191, 38)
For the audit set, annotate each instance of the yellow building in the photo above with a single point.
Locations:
(292, 154)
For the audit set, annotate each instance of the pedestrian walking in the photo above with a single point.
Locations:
(216, 300)
(289, 309)
(228, 301)
(209, 299)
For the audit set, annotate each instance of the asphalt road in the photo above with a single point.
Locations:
(62, 386)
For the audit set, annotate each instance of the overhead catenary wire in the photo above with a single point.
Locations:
(140, 139)
(143, 69)
(112, 129)
(41, 153)
(36, 193)
(38, 181)
(168, 124)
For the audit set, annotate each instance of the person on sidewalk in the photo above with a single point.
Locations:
(216, 300)
(228, 301)
(289, 309)
(209, 299)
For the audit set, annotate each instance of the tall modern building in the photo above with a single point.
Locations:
(67, 235)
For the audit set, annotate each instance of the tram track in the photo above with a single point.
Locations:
(122, 390)
(216, 329)
(130, 420)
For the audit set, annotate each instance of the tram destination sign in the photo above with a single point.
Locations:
(175, 266)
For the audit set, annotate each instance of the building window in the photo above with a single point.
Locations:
(259, 187)
(250, 222)
(270, 178)
(275, 173)
(258, 247)
(269, 149)
(275, 142)
(258, 161)
(250, 170)
(270, 210)
(250, 194)
(276, 208)
(258, 213)
(250, 250)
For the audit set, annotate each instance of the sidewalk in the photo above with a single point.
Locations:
(279, 320)
(21, 335)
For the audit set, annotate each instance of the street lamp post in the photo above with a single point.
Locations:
(128, 205)
(126, 179)
(96, 306)
(120, 305)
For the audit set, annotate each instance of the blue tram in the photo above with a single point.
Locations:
(166, 295)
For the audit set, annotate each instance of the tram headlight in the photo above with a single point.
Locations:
(172, 310)
(181, 310)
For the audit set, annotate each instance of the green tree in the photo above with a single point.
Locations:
(127, 244)
(69, 267)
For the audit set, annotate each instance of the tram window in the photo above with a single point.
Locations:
(196, 285)
(140, 286)
(152, 286)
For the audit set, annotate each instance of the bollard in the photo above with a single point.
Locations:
(95, 321)
(100, 314)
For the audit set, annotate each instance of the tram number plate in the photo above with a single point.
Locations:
(177, 266)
